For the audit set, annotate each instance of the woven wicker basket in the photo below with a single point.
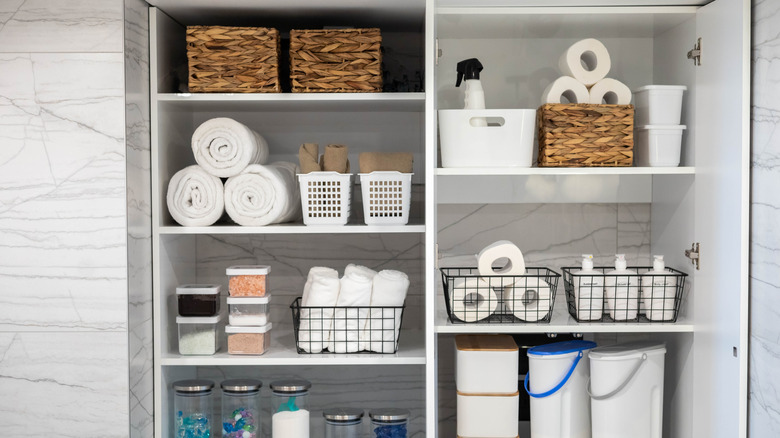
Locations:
(584, 135)
(336, 61)
(225, 59)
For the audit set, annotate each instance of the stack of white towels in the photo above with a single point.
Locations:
(349, 330)
(254, 194)
(585, 66)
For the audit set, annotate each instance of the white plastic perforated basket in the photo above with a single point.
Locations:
(386, 197)
(325, 197)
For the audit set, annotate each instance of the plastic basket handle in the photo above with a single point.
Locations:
(622, 385)
(558, 386)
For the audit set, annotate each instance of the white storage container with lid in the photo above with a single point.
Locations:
(198, 334)
(658, 145)
(488, 415)
(248, 280)
(658, 104)
(557, 383)
(248, 339)
(486, 364)
(627, 389)
(198, 299)
(248, 310)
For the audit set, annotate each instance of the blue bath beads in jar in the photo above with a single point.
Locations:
(389, 422)
(241, 408)
(193, 408)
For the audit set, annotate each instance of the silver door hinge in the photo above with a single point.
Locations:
(438, 51)
(695, 53)
(693, 254)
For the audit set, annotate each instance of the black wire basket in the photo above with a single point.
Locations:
(346, 330)
(640, 297)
(494, 299)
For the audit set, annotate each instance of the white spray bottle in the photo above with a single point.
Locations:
(588, 291)
(622, 291)
(659, 291)
(475, 96)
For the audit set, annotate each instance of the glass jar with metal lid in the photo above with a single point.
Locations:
(343, 423)
(193, 409)
(389, 422)
(290, 408)
(241, 408)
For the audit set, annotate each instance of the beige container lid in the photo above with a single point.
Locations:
(485, 343)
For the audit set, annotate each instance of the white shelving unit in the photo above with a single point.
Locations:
(704, 200)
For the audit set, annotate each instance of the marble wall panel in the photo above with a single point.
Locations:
(764, 415)
(61, 26)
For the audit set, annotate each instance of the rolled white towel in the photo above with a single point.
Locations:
(348, 323)
(264, 194)
(389, 289)
(195, 197)
(321, 290)
(225, 147)
(368, 272)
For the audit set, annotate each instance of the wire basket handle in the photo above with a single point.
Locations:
(559, 385)
(622, 385)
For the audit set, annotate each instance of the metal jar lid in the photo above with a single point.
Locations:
(389, 414)
(241, 385)
(343, 414)
(193, 385)
(290, 386)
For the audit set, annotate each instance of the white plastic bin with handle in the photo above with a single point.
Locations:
(507, 141)
(557, 382)
(627, 390)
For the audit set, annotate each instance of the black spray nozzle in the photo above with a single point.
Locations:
(470, 68)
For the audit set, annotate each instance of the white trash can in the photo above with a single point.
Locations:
(627, 390)
(557, 382)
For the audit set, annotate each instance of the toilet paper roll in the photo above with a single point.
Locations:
(586, 61)
(531, 302)
(472, 299)
(566, 87)
(611, 92)
(498, 250)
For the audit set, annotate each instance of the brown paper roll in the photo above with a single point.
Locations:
(334, 159)
(384, 161)
(307, 156)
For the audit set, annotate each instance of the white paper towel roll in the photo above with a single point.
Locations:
(611, 92)
(586, 60)
(498, 250)
(531, 301)
(472, 299)
(566, 87)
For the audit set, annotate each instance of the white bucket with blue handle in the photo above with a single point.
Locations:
(627, 390)
(557, 382)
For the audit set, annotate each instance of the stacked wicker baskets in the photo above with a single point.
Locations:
(584, 135)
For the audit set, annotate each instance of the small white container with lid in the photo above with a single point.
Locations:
(658, 145)
(198, 299)
(248, 280)
(247, 339)
(198, 334)
(248, 310)
(627, 389)
(486, 364)
(658, 104)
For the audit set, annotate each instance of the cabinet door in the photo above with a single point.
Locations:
(721, 223)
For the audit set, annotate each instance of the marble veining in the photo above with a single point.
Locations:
(764, 396)
(62, 192)
(61, 26)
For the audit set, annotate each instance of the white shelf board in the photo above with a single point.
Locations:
(509, 171)
(295, 228)
(299, 102)
(561, 322)
(411, 351)
(556, 22)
